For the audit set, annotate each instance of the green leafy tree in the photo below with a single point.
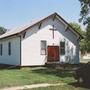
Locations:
(2, 30)
(85, 10)
(83, 46)
(88, 37)
(77, 27)
(85, 17)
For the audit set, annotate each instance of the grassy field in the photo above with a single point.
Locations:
(28, 76)
(67, 87)
(18, 77)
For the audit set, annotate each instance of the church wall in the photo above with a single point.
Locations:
(14, 58)
(31, 43)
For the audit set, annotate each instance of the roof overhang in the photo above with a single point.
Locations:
(54, 15)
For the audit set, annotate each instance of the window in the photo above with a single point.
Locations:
(72, 50)
(1, 49)
(9, 48)
(43, 47)
(62, 48)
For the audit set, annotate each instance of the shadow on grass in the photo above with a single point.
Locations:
(55, 72)
(5, 67)
(81, 85)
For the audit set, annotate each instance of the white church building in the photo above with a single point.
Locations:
(47, 40)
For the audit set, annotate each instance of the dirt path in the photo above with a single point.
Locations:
(32, 86)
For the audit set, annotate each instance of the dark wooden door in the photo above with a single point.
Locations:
(53, 53)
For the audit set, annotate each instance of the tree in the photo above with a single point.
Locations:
(85, 17)
(88, 37)
(2, 30)
(78, 28)
(83, 46)
(85, 10)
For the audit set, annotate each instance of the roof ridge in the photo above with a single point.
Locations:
(24, 27)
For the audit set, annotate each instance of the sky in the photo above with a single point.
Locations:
(14, 13)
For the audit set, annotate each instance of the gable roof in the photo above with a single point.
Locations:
(31, 24)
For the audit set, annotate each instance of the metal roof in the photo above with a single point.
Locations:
(31, 24)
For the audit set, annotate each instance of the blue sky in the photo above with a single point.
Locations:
(14, 13)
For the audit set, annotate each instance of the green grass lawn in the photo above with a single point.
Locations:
(67, 87)
(26, 76)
